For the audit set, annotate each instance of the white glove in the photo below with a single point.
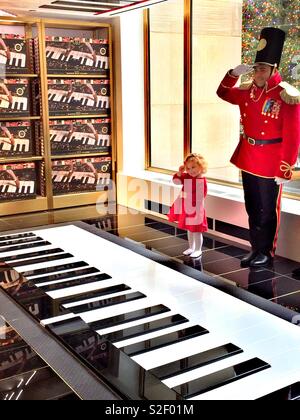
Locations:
(280, 181)
(241, 69)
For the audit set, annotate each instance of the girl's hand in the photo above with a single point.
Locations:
(181, 169)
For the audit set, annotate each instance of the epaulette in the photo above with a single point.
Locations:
(246, 85)
(289, 94)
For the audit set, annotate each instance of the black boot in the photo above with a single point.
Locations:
(261, 260)
(245, 261)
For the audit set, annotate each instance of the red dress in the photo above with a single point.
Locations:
(188, 209)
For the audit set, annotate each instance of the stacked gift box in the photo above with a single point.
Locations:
(18, 138)
(81, 175)
(65, 55)
(17, 181)
(76, 97)
(15, 55)
(80, 136)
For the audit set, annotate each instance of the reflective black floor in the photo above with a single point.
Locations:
(23, 374)
(220, 258)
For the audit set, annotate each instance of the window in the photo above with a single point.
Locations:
(222, 34)
(166, 24)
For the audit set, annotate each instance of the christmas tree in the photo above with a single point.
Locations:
(283, 14)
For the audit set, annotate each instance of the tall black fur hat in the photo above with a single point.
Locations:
(270, 46)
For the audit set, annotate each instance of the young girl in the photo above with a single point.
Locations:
(188, 209)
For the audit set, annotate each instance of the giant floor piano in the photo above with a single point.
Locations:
(151, 331)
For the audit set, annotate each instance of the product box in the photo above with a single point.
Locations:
(80, 136)
(15, 55)
(77, 97)
(66, 55)
(17, 181)
(14, 98)
(17, 139)
(81, 175)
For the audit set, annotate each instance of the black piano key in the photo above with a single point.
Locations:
(75, 282)
(95, 293)
(66, 275)
(289, 393)
(129, 316)
(19, 241)
(104, 303)
(146, 328)
(216, 380)
(31, 255)
(12, 237)
(164, 340)
(54, 269)
(196, 361)
(28, 246)
(43, 259)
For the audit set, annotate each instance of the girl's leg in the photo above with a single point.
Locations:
(198, 240)
(191, 240)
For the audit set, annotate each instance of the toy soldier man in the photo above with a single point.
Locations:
(268, 148)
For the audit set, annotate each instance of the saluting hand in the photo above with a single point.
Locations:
(241, 69)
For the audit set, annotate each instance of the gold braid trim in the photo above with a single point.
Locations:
(287, 169)
(246, 85)
(290, 94)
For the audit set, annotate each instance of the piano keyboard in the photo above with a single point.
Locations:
(86, 60)
(19, 103)
(16, 60)
(21, 145)
(56, 53)
(84, 99)
(187, 339)
(61, 136)
(26, 187)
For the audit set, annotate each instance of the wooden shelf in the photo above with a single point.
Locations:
(80, 156)
(17, 159)
(77, 76)
(23, 206)
(78, 199)
(81, 117)
(20, 118)
(18, 76)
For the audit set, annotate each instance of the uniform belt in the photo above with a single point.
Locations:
(257, 142)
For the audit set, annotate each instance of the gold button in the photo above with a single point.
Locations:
(266, 121)
(245, 115)
(246, 104)
(262, 133)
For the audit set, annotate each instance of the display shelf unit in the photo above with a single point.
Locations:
(40, 30)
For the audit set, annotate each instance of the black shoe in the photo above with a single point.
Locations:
(261, 260)
(245, 261)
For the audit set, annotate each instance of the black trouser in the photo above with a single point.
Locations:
(262, 200)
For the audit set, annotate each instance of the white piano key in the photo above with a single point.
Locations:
(70, 291)
(57, 319)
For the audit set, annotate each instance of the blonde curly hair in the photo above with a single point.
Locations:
(199, 159)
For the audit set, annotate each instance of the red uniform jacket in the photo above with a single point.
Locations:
(265, 115)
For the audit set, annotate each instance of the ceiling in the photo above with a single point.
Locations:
(75, 9)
